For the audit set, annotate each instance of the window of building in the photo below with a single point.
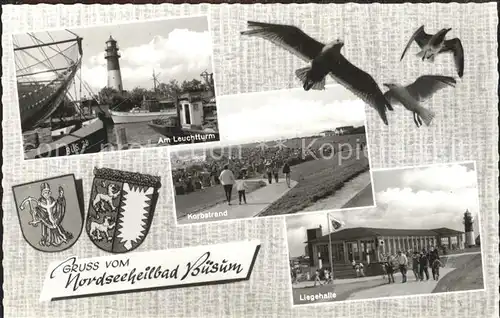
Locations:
(323, 252)
(444, 241)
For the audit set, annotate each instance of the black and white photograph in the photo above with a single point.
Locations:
(422, 237)
(286, 151)
(116, 87)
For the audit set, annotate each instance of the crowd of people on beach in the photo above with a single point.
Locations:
(252, 162)
(419, 262)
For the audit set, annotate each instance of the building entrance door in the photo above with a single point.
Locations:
(187, 114)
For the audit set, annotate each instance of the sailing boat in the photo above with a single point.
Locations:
(45, 72)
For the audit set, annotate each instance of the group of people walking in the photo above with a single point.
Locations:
(327, 277)
(228, 181)
(419, 262)
(272, 170)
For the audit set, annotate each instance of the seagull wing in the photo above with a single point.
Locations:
(455, 46)
(361, 84)
(425, 86)
(288, 37)
(420, 37)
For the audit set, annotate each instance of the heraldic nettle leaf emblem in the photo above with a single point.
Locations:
(121, 209)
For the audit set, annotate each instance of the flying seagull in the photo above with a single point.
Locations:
(432, 45)
(412, 95)
(324, 59)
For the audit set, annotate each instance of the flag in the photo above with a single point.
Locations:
(336, 224)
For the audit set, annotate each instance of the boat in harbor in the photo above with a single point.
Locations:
(148, 110)
(45, 71)
(137, 115)
(90, 138)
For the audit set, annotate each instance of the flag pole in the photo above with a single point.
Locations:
(330, 246)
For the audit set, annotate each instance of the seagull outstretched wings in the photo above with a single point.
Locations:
(325, 59)
(287, 37)
(420, 90)
(436, 42)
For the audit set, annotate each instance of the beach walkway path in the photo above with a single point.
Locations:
(257, 201)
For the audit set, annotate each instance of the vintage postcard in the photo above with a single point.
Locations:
(311, 155)
(50, 212)
(116, 87)
(121, 209)
(423, 237)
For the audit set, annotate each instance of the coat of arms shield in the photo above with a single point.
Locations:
(50, 212)
(121, 209)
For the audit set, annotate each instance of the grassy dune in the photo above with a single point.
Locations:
(468, 274)
(315, 142)
(204, 199)
(318, 179)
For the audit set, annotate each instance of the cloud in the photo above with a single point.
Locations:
(182, 55)
(419, 209)
(282, 116)
(449, 177)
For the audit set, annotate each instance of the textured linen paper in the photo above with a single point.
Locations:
(465, 128)
(145, 271)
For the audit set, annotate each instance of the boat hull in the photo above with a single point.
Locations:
(128, 118)
(35, 114)
(89, 139)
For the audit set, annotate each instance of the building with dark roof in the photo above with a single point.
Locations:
(367, 245)
(344, 130)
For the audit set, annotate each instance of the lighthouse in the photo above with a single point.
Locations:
(469, 229)
(112, 56)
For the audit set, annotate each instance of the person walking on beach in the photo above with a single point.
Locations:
(414, 260)
(423, 263)
(389, 269)
(294, 276)
(286, 172)
(317, 279)
(269, 173)
(328, 277)
(227, 180)
(241, 187)
(436, 264)
(403, 265)
(275, 172)
(384, 269)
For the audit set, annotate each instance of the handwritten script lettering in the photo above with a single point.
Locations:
(121, 271)
(204, 265)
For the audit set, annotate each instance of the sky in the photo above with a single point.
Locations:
(411, 198)
(287, 113)
(179, 49)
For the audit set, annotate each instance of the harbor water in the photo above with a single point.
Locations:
(136, 134)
